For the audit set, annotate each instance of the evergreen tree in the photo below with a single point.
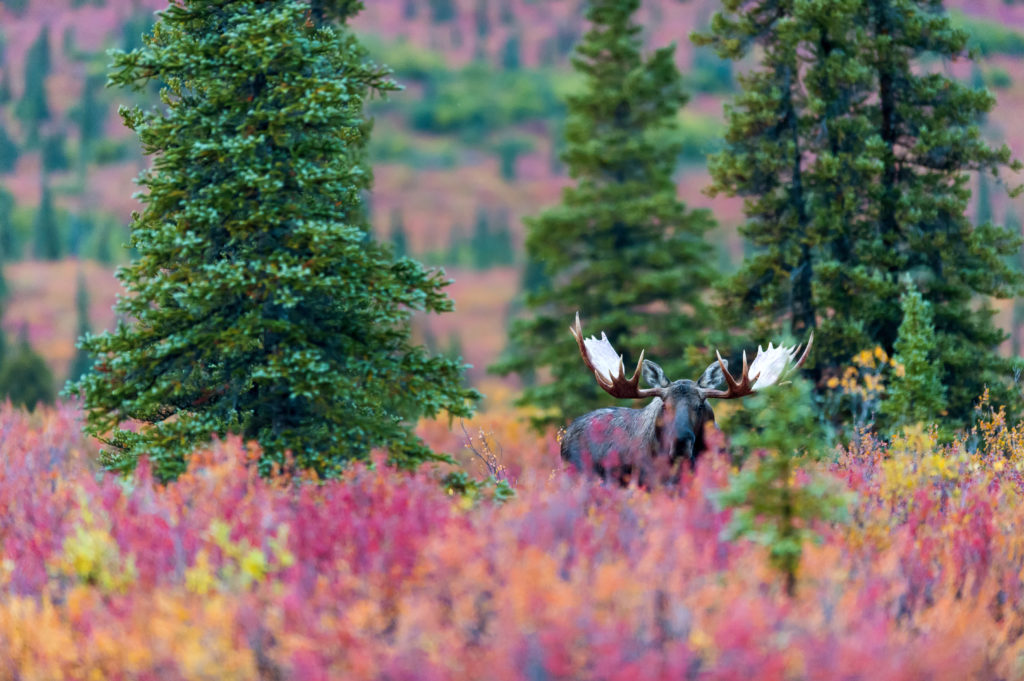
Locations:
(510, 59)
(8, 242)
(260, 304)
(8, 151)
(771, 507)
(621, 248)
(46, 239)
(983, 202)
(442, 11)
(53, 155)
(503, 249)
(916, 395)
(82, 362)
(480, 243)
(33, 108)
(90, 116)
(25, 379)
(853, 162)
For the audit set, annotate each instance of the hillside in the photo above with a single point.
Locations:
(471, 144)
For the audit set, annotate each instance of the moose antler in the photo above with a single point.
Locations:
(768, 367)
(601, 358)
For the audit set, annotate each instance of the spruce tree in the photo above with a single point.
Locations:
(621, 248)
(90, 115)
(46, 239)
(854, 161)
(916, 394)
(25, 378)
(33, 108)
(8, 241)
(8, 151)
(259, 303)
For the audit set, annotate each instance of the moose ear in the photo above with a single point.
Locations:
(712, 375)
(654, 375)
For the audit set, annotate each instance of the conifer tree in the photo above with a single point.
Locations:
(8, 243)
(90, 115)
(46, 238)
(33, 108)
(916, 394)
(621, 248)
(260, 304)
(8, 151)
(771, 507)
(854, 161)
(25, 378)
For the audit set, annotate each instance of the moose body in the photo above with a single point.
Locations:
(653, 443)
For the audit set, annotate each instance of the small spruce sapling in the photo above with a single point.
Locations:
(916, 395)
(772, 505)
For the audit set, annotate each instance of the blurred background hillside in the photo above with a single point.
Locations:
(468, 149)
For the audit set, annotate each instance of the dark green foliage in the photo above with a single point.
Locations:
(481, 244)
(621, 248)
(53, 155)
(510, 58)
(502, 248)
(25, 379)
(855, 163)
(8, 151)
(983, 202)
(33, 108)
(82, 362)
(8, 243)
(47, 243)
(916, 396)
(771, 507)
(442, 11)
(509, 148)
(260, 304)
(90, 115)
(491, 242)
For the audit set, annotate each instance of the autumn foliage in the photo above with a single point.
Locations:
(225, 575)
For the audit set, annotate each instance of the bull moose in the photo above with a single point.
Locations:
(618, 441)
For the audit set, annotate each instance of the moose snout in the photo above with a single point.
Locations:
(683, 447)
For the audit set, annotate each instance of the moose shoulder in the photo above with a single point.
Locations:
(620, 443)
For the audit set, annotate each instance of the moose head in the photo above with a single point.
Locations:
(618, 441)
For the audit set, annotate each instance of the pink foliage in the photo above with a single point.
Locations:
(383, 575)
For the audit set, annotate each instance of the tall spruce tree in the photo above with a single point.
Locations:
(33, 108)
(621, 248)
(854, 160)
(260, 305)
(46, 238)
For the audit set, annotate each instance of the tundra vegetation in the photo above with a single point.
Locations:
(272, 502)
